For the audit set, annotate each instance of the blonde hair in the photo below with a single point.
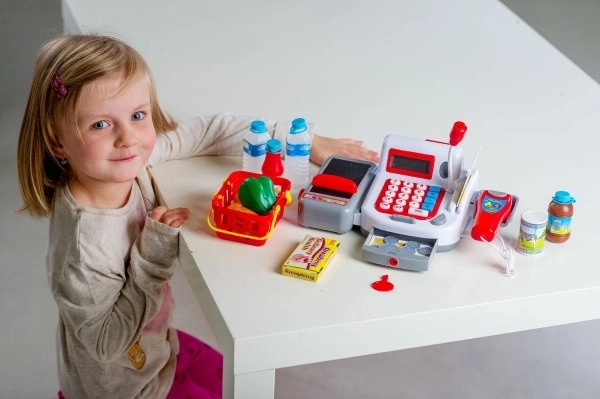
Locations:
(75, 61)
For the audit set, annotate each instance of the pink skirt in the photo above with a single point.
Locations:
(199, 371)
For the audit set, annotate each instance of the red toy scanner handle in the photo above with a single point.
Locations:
(335, 182)
(492, 209)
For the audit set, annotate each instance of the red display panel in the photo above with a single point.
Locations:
(410, 163)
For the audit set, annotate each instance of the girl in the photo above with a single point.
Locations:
(92, 127)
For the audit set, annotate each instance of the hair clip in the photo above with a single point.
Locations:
(58, 87)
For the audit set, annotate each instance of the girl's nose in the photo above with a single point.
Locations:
(126, 137)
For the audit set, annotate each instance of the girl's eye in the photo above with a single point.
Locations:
(100, 125)
(138, 116)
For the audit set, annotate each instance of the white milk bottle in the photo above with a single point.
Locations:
(255, 147)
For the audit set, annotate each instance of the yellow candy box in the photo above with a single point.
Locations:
(310, 258)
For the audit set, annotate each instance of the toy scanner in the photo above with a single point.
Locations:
(333, 199)
(418, 201)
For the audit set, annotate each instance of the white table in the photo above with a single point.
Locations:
(366, 69)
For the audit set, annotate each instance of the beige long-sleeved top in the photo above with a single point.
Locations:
(109, 272)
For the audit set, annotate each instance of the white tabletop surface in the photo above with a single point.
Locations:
(365, 70)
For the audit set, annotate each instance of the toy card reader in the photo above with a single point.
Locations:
(335, 194)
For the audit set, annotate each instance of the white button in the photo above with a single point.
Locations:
(385, 206)
(422, 186)
(416, 198)
(392, 187)
(403, 196)
(400, 202)
(406, 190)
(395, 182)
(420, 192)
(408, 184)
(417, 212)
(390, 193)
(398, 208)
(414, 204)
(387, 200)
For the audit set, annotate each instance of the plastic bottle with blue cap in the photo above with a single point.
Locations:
(255, 146)
(297, 154)
(560, 213)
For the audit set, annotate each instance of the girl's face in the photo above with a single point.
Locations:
(116, 134)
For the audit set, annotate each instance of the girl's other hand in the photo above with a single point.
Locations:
(324, 147)
(171, 217)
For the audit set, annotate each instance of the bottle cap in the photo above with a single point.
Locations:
(273, 145)
(298, 126)
(563, 197)
(258, 127)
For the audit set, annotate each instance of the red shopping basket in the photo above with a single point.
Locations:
(245, 227)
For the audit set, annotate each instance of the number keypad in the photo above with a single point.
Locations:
(403, 197)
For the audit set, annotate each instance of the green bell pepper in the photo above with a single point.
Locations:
(257, 194)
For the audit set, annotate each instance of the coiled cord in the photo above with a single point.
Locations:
(507, 254)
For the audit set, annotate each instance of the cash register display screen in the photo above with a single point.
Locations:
(411, 164)
(350, 170)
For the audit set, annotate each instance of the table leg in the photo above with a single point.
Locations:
(256, 385)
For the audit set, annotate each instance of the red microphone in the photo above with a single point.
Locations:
(457, 133)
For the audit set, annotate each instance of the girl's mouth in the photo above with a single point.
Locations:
(124, 159)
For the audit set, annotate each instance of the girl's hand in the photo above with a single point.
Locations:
(324, 147)
(171, 217)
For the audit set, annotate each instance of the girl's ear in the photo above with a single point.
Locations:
(56, 148)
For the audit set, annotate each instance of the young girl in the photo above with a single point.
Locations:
(91, 129)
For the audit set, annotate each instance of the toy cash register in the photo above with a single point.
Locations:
(419, 201)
